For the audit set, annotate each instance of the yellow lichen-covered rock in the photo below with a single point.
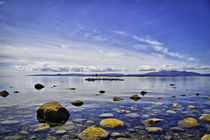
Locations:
(176, 105)
(111, 123)
(205, 118)
(153, 121)
(93, 133)
(43, 126)
(191, 121)
(191, 106)
(117, 98)
(206, 137)
(53, 112)
(153, 129)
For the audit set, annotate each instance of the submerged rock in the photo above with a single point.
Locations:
(123, 138)
(132, 115)
(15, 137)
(135, 97)
(72, 88)
(101, 91)
(60, 132)
(173, 96)
(9, 122)
(154, 129)
(176, 129)
(117, 98)
(153, 121)
(171, 111)
(176, 105)
(191, 121)
(206, 137)
(191, 106)
(53, 112)
(4, 93)
(111, 123)
(39, 86)
(93, 133)
(116, 134)
(143, 93)
(106, 115)
(205, 118)
(182, 94)
(24, 132)
(77, 103)
(172, 84)
(43, 126)
(133, 107)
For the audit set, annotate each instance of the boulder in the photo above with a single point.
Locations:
(101, 91)
(143, 93)
(117, 98)
(111, 123)
(39, 86)
(77, 103)
(52, 112)
(153, 121)
(205, 118)
(206, 137)
(191, 121)
(135, 97)
(4, 93)
(93, 133)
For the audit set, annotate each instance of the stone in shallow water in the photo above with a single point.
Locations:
(205, 118)
(191, 106)
(206, 137)
(106, 115)
(176, 105)
(123, 138)
(90, 121)
(153, 129)
(38, 86)
(93, 133)
(185, 124)
(117, 98)
(15, 137)
(60, 132)
(77, 103)
(115, 134)
(79, 120)
(53, 112)
(132, 115)
(24, 132)
(135, 97)
(111, 123)
(145, 116)
(153, 121)
(171, 111)
(176, 129)
(4, 93)
(133, 107)
(8, 122)
(191, 121)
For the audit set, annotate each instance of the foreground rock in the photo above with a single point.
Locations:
(205, 118)
(93, 133)
(206, 137)
(39, 86)
(143, 93)
(4, 93)
(77, 103)
(135, 97)
(117, 98)
(154, 129)
(153, 121)
(111, 123)
(53, 112)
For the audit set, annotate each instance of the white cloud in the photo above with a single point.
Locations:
(146, 68)
(147, 40)
(2, 2)
(121, 33)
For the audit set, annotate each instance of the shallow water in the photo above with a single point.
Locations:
(18, 110)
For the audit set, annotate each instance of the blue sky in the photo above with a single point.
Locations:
(92, 36)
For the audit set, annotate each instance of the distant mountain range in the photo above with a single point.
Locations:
(160, 73)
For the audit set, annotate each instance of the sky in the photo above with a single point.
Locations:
(100, 36)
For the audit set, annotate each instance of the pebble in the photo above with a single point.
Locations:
(132, 115)
(106, 115)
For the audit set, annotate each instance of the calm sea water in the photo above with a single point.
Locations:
(18, 110)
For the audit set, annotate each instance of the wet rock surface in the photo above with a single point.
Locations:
(111, 123)
(52, 112)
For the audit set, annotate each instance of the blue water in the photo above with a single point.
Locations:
(21, 107)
